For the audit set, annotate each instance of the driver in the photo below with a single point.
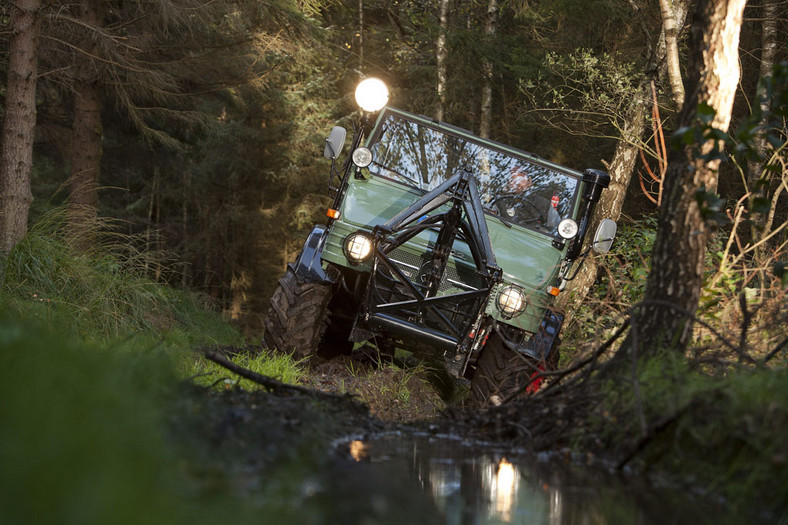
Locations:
(520, 183)
(519, 180)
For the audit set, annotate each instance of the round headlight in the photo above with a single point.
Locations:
(372, 94)
(567, 228)
(358, 247)
(511, 301)
(362, 157)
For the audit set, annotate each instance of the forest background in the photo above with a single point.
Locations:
(198, 127)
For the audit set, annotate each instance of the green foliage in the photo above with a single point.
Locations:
(680, 416)
(104, 294)
(100, 294)
(88, 388)
(80, 437)
(620, 285)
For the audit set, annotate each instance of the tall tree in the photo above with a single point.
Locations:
(16, 155)
(86, 124)
(441, 55)
(490, 24)
(151, 62)
(769, 46)
(631, 127)
(673, 286)
(672, 20)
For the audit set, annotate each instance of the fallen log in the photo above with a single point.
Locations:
(271, 384)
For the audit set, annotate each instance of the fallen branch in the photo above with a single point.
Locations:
(271, 384)
(560, 374)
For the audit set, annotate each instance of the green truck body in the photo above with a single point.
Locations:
(441, 243)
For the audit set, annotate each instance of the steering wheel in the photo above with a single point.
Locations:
(516, 208)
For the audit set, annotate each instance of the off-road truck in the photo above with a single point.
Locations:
(441, 243)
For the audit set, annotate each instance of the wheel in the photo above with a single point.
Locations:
(501, 372)
(298, 317)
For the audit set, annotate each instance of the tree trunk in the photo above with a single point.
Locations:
(680, 245)
(672, 20)
(609, 206)
(86, 134)
(361, 38)
(487, 71)
(441, 54)
(16, 155)
(769, 45)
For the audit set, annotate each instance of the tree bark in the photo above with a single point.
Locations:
(16, 154)
(676, 275)
(611, 203)
(487, 71)
(769, 45)
(86, 132)
(441, 54)
(361, 38)
(672, 20)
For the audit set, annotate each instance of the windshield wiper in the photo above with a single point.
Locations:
(504, 221)
(407, 180)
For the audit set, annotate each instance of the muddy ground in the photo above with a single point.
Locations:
(287, 452)
(289, 449)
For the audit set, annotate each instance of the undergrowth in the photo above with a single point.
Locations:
(279, 366)
(95, 357)
(713, 416)
(721, 434)
(101, 295)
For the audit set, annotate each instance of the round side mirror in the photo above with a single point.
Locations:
(605, 233)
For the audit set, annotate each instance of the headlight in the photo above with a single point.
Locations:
(358, 247)
(372, 94)
(362, 157)
(567, 228)
(511, 301)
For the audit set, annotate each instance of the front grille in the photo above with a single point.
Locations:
(454, 278)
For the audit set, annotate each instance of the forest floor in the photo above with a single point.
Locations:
(339, 400)
(249, 435)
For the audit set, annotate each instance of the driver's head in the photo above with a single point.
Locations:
(519, 180)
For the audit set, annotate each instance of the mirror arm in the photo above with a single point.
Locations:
(579, 265)
(595, 181)
(344, 172)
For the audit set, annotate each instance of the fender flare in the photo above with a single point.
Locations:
(309, 266)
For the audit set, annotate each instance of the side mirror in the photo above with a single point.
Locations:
(605, 233)
(335, 142)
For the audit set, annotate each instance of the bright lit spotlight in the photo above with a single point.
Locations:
(358, 247)
(372, 94)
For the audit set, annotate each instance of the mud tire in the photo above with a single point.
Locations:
(500, 372)
(298, 317)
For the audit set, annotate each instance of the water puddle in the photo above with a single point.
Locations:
(479, 484)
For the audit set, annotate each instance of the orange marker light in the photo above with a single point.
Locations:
(552, 290)
(334, 214)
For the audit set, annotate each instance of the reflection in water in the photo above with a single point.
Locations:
(503, 487)
(474, 485)
(358, 450)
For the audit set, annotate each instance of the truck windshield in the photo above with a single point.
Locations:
(519, 190)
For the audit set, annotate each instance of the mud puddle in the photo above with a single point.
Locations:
(472, 482)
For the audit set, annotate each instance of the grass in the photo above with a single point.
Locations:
(393, 393)
(720, 433)
(94, 359)
(278, 366)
